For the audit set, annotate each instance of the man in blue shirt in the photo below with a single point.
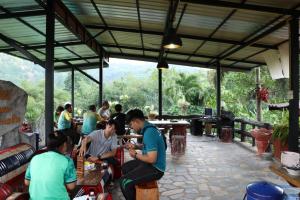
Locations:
(151, 163)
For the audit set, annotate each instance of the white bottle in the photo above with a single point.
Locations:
(92, 195)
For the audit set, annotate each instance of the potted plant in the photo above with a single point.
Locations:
(280, 135)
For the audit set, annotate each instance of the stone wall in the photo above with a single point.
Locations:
(13, 101)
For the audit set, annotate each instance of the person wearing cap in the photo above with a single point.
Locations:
(50, 174)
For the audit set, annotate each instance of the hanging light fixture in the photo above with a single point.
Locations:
(162, 64)
(172, 40)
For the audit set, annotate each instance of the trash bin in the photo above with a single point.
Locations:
(196, 127)
(264, 191)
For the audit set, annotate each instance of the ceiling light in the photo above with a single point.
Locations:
(172, 41)
(162, 64)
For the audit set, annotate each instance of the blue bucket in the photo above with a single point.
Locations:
(264, 191)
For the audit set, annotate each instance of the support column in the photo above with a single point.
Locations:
(160, 93)
(258, 100)
(72, 89)
(218, 97)
(100, 82)
(294, 85)
(49, 69)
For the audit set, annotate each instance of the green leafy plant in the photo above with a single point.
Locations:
(281, 129)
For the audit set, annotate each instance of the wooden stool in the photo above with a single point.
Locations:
(147, 191)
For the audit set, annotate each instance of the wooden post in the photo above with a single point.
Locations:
(258, 100)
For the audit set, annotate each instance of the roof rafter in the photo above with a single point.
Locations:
(253, 7)
(30, 13)
(193, 37)
(140, 24)
(19, 47)
(173, 61)
(104, 22)
(216, 29)
(74, 43)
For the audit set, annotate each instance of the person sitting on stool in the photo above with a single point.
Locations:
(148, 166)
(103, 144)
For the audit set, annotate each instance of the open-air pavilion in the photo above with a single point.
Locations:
(231, 35)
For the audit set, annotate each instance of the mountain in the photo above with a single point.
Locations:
(16, 70)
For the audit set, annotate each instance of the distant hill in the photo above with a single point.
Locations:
(15, 69)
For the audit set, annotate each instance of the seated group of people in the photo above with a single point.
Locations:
(50, 173)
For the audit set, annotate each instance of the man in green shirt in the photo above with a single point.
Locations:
(50, 174)
(90, 119)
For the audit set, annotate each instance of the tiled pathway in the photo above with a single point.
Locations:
(210, 170)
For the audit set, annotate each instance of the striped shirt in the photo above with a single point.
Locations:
(100, 144)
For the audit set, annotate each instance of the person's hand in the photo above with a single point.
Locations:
(132, 153)
(82, 151)
(129, 146)
(92, 159)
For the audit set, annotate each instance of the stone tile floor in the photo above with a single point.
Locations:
(210, 170)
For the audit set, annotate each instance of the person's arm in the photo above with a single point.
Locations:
(150, 148)
(27, 176)
(98, 117)
(150, 157)
(70, 175)
(26, 182)
(108, 154)
(71, 186)
(83, 149)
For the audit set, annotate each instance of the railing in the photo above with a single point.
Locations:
(243, 123)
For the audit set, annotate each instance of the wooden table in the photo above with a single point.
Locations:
(277, 169)
(179, 127)
(91, 177)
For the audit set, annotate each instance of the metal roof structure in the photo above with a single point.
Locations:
(236, 32)
(218, 34)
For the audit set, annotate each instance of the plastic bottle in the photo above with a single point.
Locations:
(92, 195)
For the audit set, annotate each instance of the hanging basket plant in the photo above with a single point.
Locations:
(263, 94)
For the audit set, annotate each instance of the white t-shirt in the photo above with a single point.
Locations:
(104, 113)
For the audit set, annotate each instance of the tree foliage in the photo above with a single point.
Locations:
(183, 93)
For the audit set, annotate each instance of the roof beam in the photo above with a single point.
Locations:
(30, 13)
(140, 24)
(19, 48)
(215, 30)
(127, 47)
(104, 22)
(256, 32)
(193, 37)
(66, 17)
(152, 59)
(177, 62)
(252, 7)
(255, 39)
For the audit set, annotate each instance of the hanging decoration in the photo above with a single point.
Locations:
(263, 94)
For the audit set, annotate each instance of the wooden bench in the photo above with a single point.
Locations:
(147, 191)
